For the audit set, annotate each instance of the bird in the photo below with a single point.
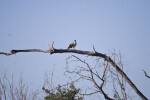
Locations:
(73, 44)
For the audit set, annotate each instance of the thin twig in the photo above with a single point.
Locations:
(146, 74)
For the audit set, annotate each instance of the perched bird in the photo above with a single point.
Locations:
(73, 44)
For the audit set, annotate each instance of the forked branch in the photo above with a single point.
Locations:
(52, 50)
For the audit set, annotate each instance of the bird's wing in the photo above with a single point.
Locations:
(71, 45)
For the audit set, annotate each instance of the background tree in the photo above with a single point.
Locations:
(101, 74)
(9, 90)
(110, 63)
(108, 24)
(63, 93)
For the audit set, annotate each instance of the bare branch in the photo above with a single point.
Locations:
(89, 53)
(90, 93)
(92, 74)
(26, 50)
(12, 91)
(94, 48)
(51, 49)
(146, 74)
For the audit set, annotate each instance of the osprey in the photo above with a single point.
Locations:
(73, 44)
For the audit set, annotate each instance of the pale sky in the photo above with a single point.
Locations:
(107, 24)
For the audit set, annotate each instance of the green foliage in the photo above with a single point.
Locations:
(116, 97)
(63, 93)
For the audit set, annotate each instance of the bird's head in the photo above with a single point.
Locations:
(74, 40)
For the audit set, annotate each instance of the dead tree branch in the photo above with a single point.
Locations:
(89, 53)
(26, 50)
(91, 78)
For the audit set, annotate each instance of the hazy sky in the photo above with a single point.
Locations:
(107, 24)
